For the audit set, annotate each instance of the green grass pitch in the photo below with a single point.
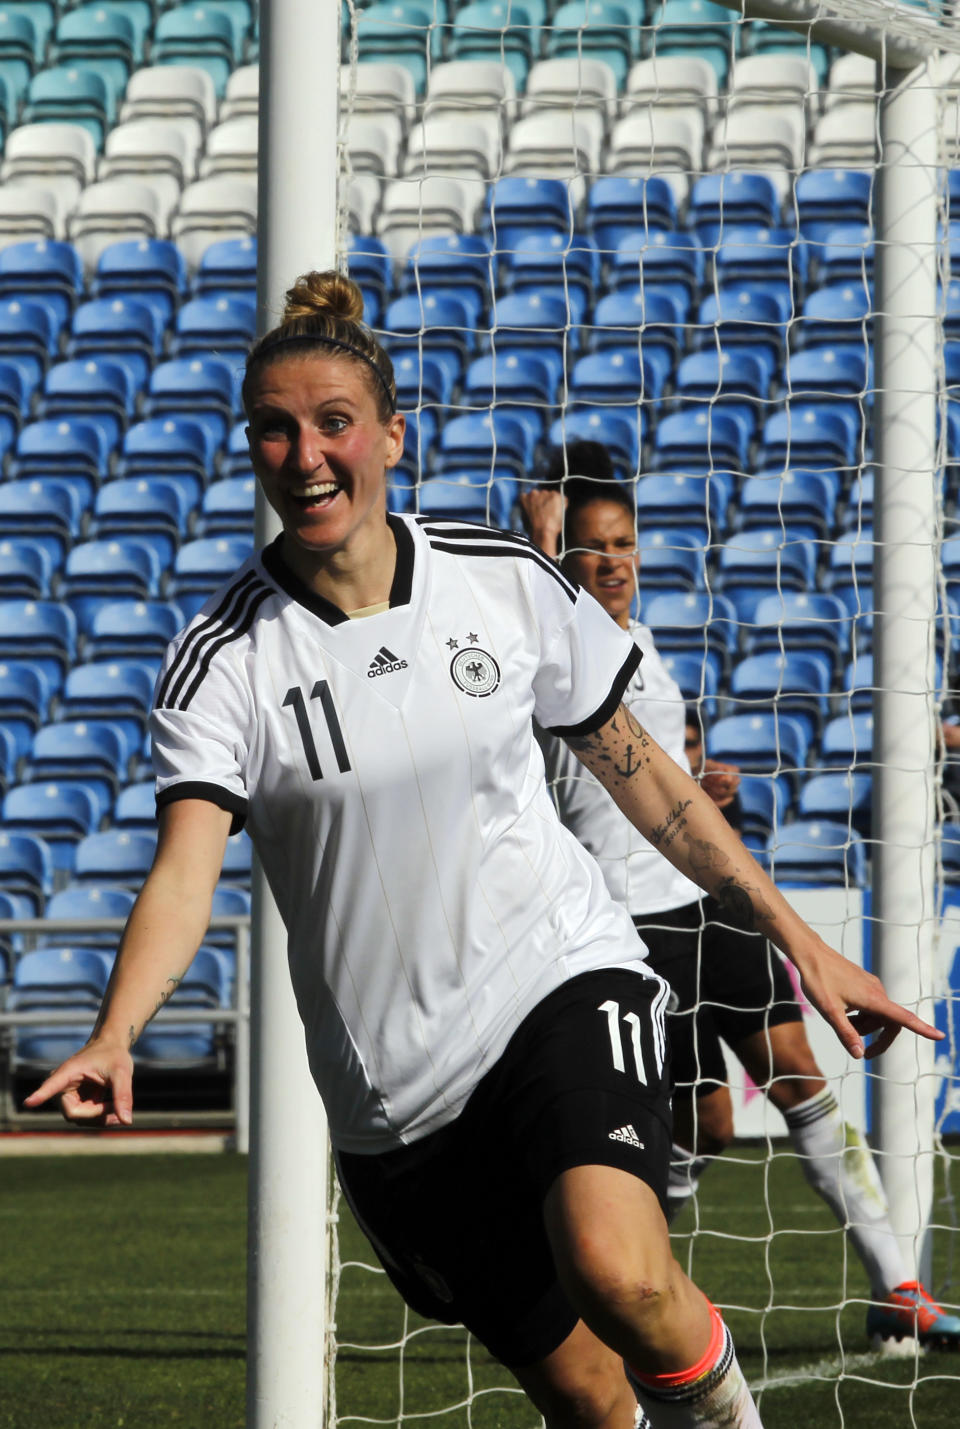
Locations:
(122, 1304)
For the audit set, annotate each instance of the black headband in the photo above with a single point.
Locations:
(269, 344)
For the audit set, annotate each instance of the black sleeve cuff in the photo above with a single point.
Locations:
(609, 707)
(234, 804)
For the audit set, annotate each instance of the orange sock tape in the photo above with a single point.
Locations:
(678, 1378)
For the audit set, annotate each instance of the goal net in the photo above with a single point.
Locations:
(660, 225)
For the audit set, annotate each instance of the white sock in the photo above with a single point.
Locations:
(713, 1395)
(837, 1162)
(683, 1180)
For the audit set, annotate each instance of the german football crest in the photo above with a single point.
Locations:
(475, 672)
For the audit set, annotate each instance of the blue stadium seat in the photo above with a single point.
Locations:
(418, 446)
(15, 395)
(556, 265)
(24, 698)
(841, 313)
(763, 802)
(101, 570)
(672, 262)
(201, 566)
(93, 388)
(800, 620)
(228, 269)
(44, 271)
(528, 323)
(694, 620)
(803, 502)
(59, 813)
(620, 318)
(622, 430)
(794, 682)
(119, 856)
(72, 448)
(136, 807)
(847, 255)
(826, 198)
(59, 976)
(839, 798)
(763, 742)
(133, 630)
(743, 318)
(91, 751)
(436, 324)
(228, 507)
(152, 509)
(700, 442)
(850, 569)
(420, 379)
(772, 259)
(89, 901)
(229, 901)
(523, 384)
(480, 441)
(617, 375)
(235, 460)
(148, 270)
(813, 434)
(119, 691)
(198, 36)
(671, 559)
(26, 868)
(42, 631)
(602, 30)
(28, 338)
(847, 741)
(73, 94)
(481, 30)
(121, 330)
(826, 371)
(224, 325)
(695, 27)
(732, 381)
(620, 204)
(45, 511)
(857, 688)
(753, 563)
(237, 860)
(442, 262)
(12, 746)
(678, 500)
(199, 388)
(25, 570)
(816, 851)
(468, 496)
(698, 676)
(735, 197)
(518, 204)
(165, 446)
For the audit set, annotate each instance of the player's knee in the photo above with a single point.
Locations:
(610, 1287)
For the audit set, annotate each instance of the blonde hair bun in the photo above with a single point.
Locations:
(328, 294)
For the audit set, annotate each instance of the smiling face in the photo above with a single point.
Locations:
(320, 451)
(602, 555)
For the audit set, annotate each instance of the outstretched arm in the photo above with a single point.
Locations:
(678, 818)
(163, 932)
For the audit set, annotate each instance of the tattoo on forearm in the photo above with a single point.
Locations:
(742, 904)
(663, 834)
(628, 758)
(132, 1034)
(704, 856)
(174, 983)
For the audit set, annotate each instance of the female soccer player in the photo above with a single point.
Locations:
(727, 981)
(362, 694)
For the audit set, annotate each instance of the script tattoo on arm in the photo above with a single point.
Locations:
(174, 983)
(664, 833)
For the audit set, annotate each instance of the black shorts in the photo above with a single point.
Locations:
(726, 984)
(457, 1218)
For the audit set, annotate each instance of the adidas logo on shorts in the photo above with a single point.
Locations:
(385, 663)
(627, 1135)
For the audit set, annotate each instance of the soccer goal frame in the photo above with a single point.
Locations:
(297, 230)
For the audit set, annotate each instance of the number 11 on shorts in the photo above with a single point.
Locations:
(612, 1009)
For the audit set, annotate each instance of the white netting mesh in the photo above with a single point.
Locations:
(651, 223)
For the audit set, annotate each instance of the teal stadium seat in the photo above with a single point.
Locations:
(497, 30)
(74, 93)
(199, 36)
(601, 29)
(695, 27)
(20, 54)
(92, 34)
(404, 32)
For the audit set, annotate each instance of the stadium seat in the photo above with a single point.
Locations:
(481, 30)
(669, 141)
(620, 204)
(671, 262)
(555, 267)
(803, 502)
(93, 752)
(449, 262)
(43, 271)
(800, 620)
(617, 375)
(73, 94)
(517, 205)
(29, 338)
(120, 691)
(24, 698)
(839, 798)
(563, 144)
(74, 448)
(133, 629)
(43, 631)
(695, 27)
(136, 807)
(198, 388)
(47, 512)
(123, 331)
(825, 198)
(213, 209)
(698, 676)
(119, 856)
(237, 860)
(228, 269)
(221, 325)
(813, 434)
(845, 137)
(619, 317)
(26, 868)
(149, 270)
(847, 741)
(201, 566)
(794, 682)
(755, 562)
(154, 510)
(170, 91)
(88, 902)
(623, 430)
(762, 803)
(692, 502)
(30, 211)
(170, 446)
(671, 559)
(734, 197)
(481, 441)
(469, 496)
(421, 379)
(763, 742)
(100, 570)
(701, 442)
(12, 743)
(816, 851)
(59, 813)
(93, 388)
(242, 94)
(197, 36)
(231, 147)
(59, 976)
(600, 32)
(228, 507)
(742, 319)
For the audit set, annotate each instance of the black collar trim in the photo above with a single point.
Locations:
(400, 590)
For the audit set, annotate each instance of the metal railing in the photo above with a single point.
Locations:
(237, 1017)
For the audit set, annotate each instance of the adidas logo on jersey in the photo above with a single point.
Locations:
(385, 663)
(628, 1135)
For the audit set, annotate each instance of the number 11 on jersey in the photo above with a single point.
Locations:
(612, 1009)
(321, 692)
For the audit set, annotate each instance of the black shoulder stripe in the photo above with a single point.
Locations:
(610, 705)
(209, 631)
(194, 637)
(527, 553)
(234, 632)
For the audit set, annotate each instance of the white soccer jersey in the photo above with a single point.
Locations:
(635, 873)
(391, 781)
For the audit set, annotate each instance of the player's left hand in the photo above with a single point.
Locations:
(856, 1004)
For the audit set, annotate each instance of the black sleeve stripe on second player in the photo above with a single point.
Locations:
(225, 799)
(509, 548)
(180, 665)
(207, 640)
(610, 705)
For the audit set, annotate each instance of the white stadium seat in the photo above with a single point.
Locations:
(156, 150)
(170, 92)
(557, 143)
(674, 81)
(53, 150)
(383, 88)
(846, 137)
(115, 209)
(773, 79)
(572, 83)
(28, 211)
(774, 141)
(474, 85)
(374, 142)
(415, 207)
(242, 94)
(659, 141)
(452, 144)
(224, 206)
(852, 80)
(231, 147)
(362, 201)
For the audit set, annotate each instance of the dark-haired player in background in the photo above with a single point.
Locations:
(728, 984)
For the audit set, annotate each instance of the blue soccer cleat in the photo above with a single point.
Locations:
(910, 1312)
